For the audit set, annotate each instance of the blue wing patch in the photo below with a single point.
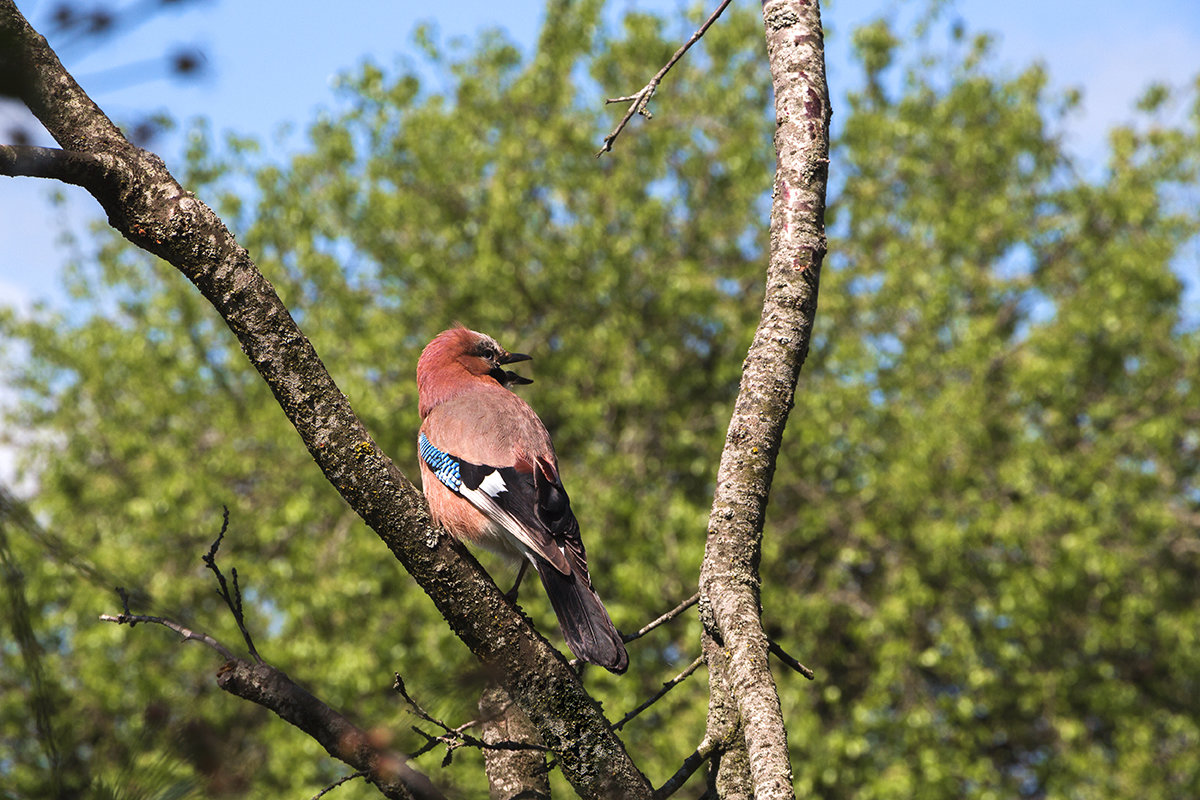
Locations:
(533, 509)
(445, 467)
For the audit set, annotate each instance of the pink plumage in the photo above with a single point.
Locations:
(490, 474)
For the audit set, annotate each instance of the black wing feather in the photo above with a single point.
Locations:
(538, 503)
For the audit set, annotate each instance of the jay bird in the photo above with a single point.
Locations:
(490, 475)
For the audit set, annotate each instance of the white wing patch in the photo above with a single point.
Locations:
(482, 498)
(493, 484)
(494, 497)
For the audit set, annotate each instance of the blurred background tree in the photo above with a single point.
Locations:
(78, 29)
(984, 529)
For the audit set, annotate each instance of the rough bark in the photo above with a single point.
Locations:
(729, 770)
(512, 774)
(272, 689)
(149, 207)
(729, 581)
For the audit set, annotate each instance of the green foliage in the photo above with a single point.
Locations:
(983, 529)
(985, 536)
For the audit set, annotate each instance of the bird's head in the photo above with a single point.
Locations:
(480, 354)
(453, 352)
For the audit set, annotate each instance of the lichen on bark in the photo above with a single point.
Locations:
(736, 646)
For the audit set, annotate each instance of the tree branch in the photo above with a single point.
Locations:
(513, 774)
(638, 100)
(272, 689)
(275, 691)
(337, 783)
(665, 618)
(456, 737)
(729, 771)
(786, 658)
(187, 633)
(233, 601)
(666, 687)
(91, 171)
(686, 769)
(149, 207)
(729, 582)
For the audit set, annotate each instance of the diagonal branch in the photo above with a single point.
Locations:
(689, 766)
(274, 690)
(666, 687)
(185, 633)
(89, 170)
(787, 658)
(149, 207)
(638, 100)
(729, 582)
(271, 688)
(665, 618)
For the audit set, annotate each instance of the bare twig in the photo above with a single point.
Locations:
(666, 687)
(638, 100)
(665, 618)
(783, 656)
(186, 633)
(274, 690)
(124, 595)
(271, 688)
(234, 599)
(689, 765)
(452, 738)
(337, 783)
(402, 690)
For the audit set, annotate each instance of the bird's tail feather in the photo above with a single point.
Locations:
(585, 623)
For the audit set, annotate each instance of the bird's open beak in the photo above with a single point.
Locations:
(512, 378)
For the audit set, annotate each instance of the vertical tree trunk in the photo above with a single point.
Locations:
(729, 772)
(729, 582)
(512, 774)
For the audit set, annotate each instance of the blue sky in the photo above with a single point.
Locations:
(256, 82)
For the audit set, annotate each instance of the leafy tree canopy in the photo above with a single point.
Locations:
(983, 534)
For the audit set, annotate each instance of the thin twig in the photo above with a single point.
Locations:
(783, 656)
(124, 595)
(234, 599)
(452, 738)
(186, 633)
(637, 102)
(345, 778)
(579, 664)
(666, 687)
(399, 687)
(689, 765)
(665, 618)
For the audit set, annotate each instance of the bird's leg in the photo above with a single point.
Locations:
(511, 594)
